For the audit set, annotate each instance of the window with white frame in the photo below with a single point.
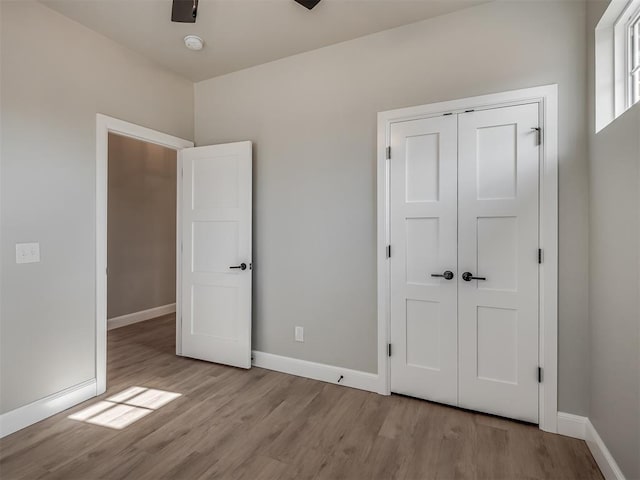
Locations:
(617, 49)
(633, 58)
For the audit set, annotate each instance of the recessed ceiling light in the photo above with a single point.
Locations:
(193, 42)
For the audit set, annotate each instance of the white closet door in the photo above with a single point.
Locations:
(423, 242)
(216, 253)
(498, 241)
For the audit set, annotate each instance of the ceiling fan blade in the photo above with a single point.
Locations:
(184, 11)
(308, 3)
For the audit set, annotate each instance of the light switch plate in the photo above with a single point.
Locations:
(299, 334)
(27, 252)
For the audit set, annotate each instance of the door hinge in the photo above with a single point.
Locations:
(539, 135)
(388, 251)
(388, 153)
(539, 374)
(389, 349)
(539, 255)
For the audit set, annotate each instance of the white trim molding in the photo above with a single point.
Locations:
(104, 126)
(581, 427)
(572, 425)
(547, 99)
(22, 417)
(141, 316)
(317, 371)
(604, 459)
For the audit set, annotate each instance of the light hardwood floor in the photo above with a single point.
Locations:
(258, 424)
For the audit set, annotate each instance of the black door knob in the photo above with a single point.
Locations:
(468, 276)
(242, 266)
(447, 275)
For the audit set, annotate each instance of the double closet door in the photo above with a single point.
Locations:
(464, 264)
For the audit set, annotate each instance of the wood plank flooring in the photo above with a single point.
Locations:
(257, 424)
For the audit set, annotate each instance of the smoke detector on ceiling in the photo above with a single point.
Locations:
(193, 42)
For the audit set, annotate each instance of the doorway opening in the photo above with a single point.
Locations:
(141, 231)
(137, 258)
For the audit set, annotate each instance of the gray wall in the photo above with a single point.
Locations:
(141, 246)
(56, 75)
(313, 120)
(614, 294)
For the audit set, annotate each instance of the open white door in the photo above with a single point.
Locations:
(215, 302)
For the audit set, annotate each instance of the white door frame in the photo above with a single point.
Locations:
(547, 99)
(104, 126)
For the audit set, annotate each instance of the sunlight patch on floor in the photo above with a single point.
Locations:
(124, 408)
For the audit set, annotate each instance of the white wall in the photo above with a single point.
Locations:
(56, 75)
(313, 120)
(614, 295)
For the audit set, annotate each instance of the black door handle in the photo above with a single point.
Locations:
(468, 276)
(447, 275)
(242, 266)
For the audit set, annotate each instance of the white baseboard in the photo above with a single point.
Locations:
(22, 417)
(572, 425)
(601, 453)
(317, 371)
(135, 317)
(581, 427)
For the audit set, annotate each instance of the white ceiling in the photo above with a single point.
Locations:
(243, 33)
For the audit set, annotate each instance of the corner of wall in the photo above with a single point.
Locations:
(193, 112)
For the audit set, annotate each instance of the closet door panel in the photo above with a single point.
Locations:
(423, 242)
(498, 244)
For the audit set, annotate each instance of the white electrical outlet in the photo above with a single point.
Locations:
(299, 334)
(27, 252)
